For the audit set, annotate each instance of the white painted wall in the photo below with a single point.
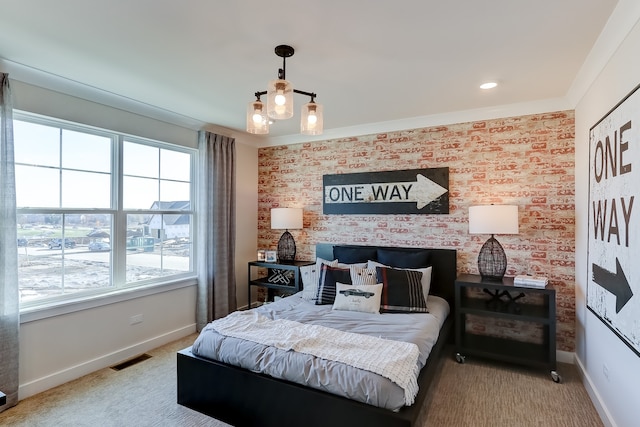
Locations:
(246, 216)
(61, 348)
(58, 349)
(618, 396)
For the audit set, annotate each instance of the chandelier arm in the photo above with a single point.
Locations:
(302, 92)
(312, 95)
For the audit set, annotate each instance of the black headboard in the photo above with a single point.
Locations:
(442, 261)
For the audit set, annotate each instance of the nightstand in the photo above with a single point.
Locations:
(275, 276)
(502, 300)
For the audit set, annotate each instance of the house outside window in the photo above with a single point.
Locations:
(98, 211)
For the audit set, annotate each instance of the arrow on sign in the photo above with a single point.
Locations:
(616, 283)
(422, 191)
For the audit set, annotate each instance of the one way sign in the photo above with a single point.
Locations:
(613, 286)
(415, 191)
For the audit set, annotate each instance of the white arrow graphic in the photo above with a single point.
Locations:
(422, 191)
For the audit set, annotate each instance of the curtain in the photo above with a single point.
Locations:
(216, 228)
(9, 303)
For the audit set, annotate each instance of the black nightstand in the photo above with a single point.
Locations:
(503, 300)
(277, 276)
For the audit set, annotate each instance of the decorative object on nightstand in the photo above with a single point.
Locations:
(270, 256)
(286, 219)
(493, 219)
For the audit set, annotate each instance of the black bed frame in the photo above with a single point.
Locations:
(244, 398)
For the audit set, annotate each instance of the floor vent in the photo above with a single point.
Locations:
(130, 362)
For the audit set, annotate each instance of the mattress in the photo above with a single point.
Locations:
(422, 329)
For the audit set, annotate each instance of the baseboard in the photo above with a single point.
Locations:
(565, 357)
(45, 383)
(601, 408)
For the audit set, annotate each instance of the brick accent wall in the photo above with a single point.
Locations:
(527, 161)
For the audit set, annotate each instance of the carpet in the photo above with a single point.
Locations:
(474, 394)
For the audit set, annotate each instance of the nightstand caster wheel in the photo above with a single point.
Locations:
(556, 377)
(459, 358)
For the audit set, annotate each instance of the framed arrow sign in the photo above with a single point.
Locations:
(415, 191)
(613, 289)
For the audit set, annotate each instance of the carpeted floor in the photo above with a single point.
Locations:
(474, 394)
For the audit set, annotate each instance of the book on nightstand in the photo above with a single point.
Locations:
(530, 281)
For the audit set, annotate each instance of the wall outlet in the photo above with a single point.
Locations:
(133, 320)
(605, 371)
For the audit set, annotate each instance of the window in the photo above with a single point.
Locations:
(99, 211)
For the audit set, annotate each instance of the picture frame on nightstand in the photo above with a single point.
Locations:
(271, 256)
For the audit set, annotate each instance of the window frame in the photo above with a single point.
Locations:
(119, 289)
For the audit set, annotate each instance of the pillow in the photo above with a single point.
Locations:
(363, 275)
(403, 258)
(329, 276)
(310, 274)
(425, 281)
(401, 291)
(350, 255)
(364, 298)
(336, 263)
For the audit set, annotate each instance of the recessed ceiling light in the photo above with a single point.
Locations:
(488, 85)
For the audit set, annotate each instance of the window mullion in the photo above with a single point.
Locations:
(120, 218)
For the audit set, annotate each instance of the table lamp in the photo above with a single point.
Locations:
(286, 219)
(493, 219)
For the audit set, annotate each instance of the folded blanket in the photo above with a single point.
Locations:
(394, 360)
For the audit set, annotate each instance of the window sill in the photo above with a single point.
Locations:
(45, 311)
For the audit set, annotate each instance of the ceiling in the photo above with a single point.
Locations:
(200, 61)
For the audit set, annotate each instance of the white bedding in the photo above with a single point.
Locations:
(336, 377)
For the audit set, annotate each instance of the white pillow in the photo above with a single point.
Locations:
(310, 275)
(426, 275)
(363, 276)
(364, 298)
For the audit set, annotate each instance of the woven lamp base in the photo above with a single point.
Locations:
(286, 248)
(492, 261)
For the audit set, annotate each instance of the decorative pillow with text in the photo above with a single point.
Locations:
(363, 298)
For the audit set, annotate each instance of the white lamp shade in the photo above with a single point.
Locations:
(311, 121)
(286, 218)
(257, 120)
(280, 99)
(493, 219)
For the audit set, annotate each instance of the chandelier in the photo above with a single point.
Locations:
(280, 103)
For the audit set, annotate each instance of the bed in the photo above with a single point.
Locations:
(242, 397)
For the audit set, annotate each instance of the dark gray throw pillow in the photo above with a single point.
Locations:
(329, 276)
(401, 291)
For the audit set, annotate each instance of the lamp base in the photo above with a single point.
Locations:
(492, 261)
(286, 248)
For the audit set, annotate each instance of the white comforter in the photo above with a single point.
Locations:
(395, 360)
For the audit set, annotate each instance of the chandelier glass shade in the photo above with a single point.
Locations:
(311, 119)
(257, 120)
(280, 103)
(279, 99)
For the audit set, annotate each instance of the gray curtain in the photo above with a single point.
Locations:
(9, 303)
(216, 228)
